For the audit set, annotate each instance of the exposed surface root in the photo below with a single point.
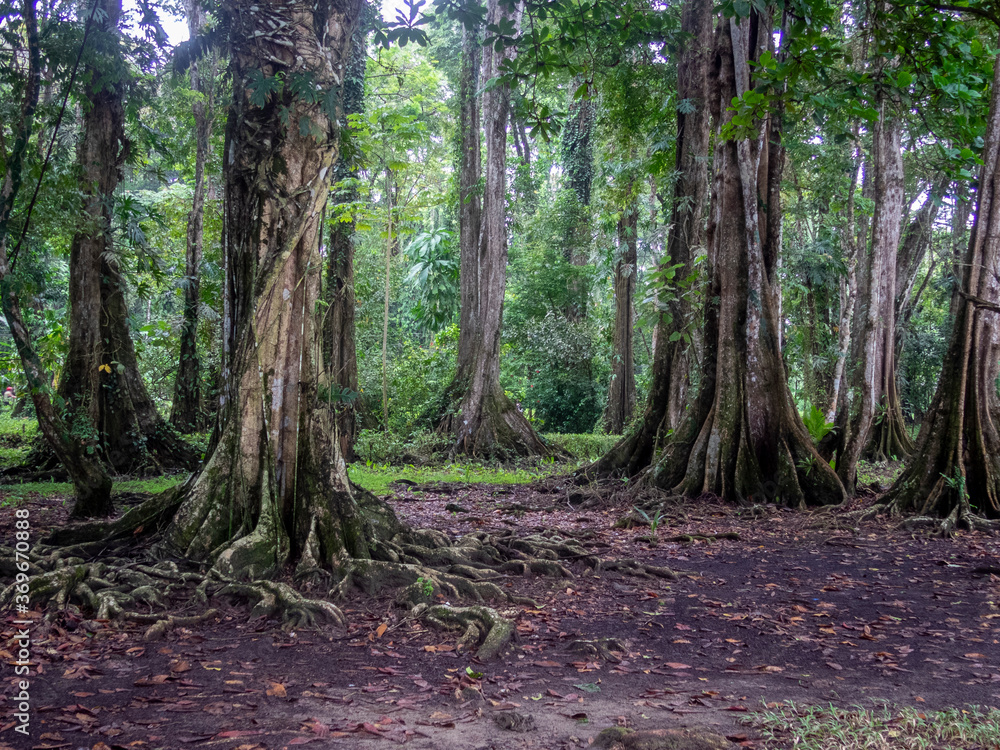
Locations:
(162, 625)
(483, 627)
(601, 648)
(275, 599)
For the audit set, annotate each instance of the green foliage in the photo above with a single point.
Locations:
(815, 421)
(433, 277)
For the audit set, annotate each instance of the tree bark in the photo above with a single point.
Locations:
(186, 414)
(744, 439)
(339, 352)
(578, 162)
(68, 434)
(274, 489)
(101, 376)
(955, 469)
(871, 416)
(621, 392)
(687, 238)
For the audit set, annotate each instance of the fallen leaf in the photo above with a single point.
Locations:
(277, 690)
(677, 665)
(380, 630)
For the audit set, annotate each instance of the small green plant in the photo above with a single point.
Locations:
(957, 483)
(815, 422)
(653, 521)
(426, 586)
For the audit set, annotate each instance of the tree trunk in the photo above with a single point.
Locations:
(186, 413)
(669, 385)
(488, 422)
(744, 439)
(955, 469)
(621, 392)
(871, 416)
(916, 242)
(339, 353)
(101, 376)
(70, 435)
(578, 162)
(470, 217)
(274, 488)
(848, 286)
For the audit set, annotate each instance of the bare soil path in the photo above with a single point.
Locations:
(801, 606)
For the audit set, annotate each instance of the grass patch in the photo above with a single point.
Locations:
(583, 447)
(882, 473)
(11, 494)
(829, 728)
(377, 477)
(16, 436)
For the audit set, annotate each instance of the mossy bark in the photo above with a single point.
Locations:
(743, 439)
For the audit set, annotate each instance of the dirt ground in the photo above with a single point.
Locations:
(801, 606)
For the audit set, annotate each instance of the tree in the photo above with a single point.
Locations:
(954, 473)
(100, 376)
(274, 487)
(186, 413)
(871, 407)
(68, 434)
(339, 353)
(687, 235)
(621, 392)
(487, 422)
(743, 437)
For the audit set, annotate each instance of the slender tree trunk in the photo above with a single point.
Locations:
(955, 469)
(70, 435)
(385, 312)
(621, 392)
(687, 238)
(848, 285)
(578, 161)
(744, 438)
(339, 352)
(469, 228)
(872, 416)
(101, 376)
(274, 488)
(916, 242)
(186, 414)
(489, 423)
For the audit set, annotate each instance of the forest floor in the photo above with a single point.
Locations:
(802, 607)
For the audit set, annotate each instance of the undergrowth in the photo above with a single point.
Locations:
(886, 728)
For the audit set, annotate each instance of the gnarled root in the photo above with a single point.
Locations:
(632, 567)
(601, 648)
(275, 599)
(484, 628)
(161, 625)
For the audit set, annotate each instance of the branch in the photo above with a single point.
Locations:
(980, 302)
(971, 9)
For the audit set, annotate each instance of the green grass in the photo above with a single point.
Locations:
(377, 477)
(829, 728)
(16, 436)
(11, 494)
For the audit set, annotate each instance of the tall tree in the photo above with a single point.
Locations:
(686, 237)
(274, 487)
(871, 410)
(339, 353)
(186, 413)
(955, 471)
(101, 376)
(487, 421)
(70, 435)
(621, 391)
(743, 437)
